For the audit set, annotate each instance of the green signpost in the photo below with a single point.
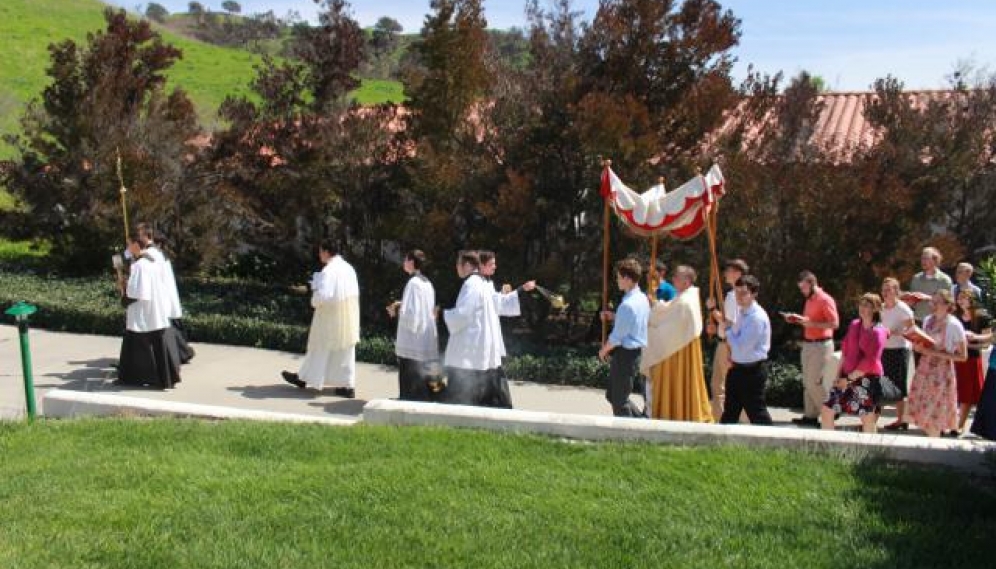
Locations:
(21, 311)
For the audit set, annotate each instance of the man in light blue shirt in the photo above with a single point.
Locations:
(749, 340)
(963, 281)
(628, 338)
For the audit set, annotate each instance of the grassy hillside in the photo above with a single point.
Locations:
(208, 73)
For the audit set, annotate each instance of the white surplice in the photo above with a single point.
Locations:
(475, 330)
(418, 338)
(506, 304)
(171, 296)
(149, 312)
(335, 327)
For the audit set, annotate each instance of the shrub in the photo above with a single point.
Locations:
(784, 388)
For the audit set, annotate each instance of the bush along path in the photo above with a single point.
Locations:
(242, 313)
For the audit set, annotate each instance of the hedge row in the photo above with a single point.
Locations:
(252, 314)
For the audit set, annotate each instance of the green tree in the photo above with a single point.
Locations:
(231, 6)
(384, 37)
(156, 12)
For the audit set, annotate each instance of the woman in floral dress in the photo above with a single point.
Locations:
(857, 390)
(933, 400)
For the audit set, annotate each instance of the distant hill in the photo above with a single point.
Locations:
(208, 73)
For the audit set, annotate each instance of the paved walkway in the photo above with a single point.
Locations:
(248, 378)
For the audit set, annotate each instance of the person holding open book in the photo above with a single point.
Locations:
(933, 397)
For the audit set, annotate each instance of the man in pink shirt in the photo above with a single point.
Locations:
(818, 320)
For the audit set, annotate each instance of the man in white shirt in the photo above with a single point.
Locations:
(732, 271)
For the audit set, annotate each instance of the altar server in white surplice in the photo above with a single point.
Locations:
(335, 327)
(145, 359)
(475, 348)
(507, 299)
(176, 336)
(417, 344)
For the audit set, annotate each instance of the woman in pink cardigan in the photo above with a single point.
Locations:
(857, 390)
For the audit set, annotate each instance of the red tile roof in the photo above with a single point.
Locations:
(841, 127)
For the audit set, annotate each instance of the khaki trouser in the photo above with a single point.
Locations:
(720, 367)
(815, 356)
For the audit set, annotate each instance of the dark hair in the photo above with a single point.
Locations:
(737, 264)
(470, 258)
(975, 308)
(749, 282)
(630, 269)
(329, 246)
(484, 256)
(417, 257)
(807, 276)
(144, 231)
(661, 268)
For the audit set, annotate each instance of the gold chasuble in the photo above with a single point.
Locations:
(672, 360)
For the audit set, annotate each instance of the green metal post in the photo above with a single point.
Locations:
(29, 380)
(21, 311)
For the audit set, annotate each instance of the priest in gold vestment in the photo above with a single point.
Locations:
(672, 360)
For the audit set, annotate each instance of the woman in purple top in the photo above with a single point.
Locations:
(857, 390)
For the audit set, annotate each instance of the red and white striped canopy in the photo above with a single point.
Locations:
(680, 213)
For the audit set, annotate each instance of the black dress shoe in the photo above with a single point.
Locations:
(805, 422)
(347, 392)
(292, 379)
(897, 426)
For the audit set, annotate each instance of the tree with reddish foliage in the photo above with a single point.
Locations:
(300, 160)
(940, 154)
(332, 52)
(106, 95)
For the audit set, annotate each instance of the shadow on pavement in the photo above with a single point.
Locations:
(89, 375)
(352, 407)
(276, 391)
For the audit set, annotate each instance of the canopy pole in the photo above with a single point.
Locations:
(715, 280)
(606, 219)
(653, 278)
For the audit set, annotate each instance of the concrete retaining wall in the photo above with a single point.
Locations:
(64, 404)
(963, 454)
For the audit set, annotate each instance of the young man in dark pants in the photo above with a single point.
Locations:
(749, 340)
(628, 338)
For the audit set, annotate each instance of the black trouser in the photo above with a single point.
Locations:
(485, 388)
(412, 380)
(745, 392)
(622, 371)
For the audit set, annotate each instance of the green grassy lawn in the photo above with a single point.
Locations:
(378, 91)
(181, 493)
